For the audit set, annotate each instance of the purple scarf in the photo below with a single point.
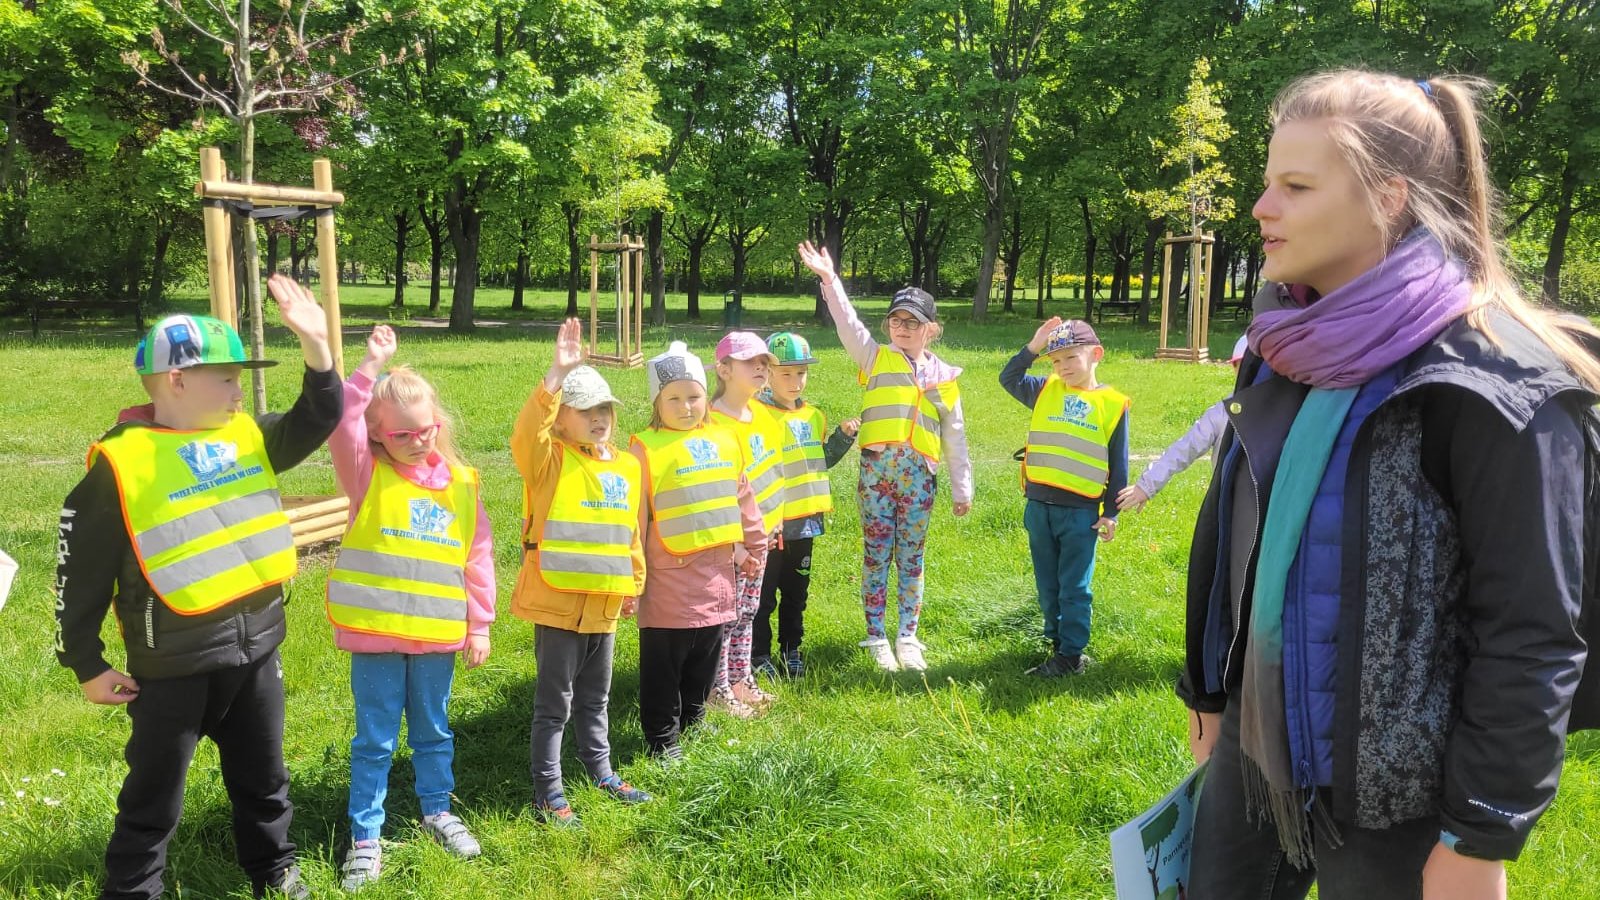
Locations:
(1368, 325)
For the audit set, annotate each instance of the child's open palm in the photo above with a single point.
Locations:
(300, 310)
(817, 260)
(569, 346)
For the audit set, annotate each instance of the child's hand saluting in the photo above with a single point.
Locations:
(1042, 336)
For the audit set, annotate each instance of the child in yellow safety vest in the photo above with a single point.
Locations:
(743, 363)
(807, 500)
(412, 586)
(582, 567)
(702, 529)
(1074, 465)
(911, 421)
(178, 527)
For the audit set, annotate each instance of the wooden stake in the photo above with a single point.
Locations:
(219, 243)
(328, 264)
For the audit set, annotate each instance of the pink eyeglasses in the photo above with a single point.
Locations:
(419, 435)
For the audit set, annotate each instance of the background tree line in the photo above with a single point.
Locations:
(978, 148)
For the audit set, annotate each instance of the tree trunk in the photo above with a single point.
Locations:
(1152, 234)
(519, 279)
(1088, 260)
(1121, 256)
(272, 250)
(435, 229)
(295, 253)
(696, 253)
(1044, 268)
(574, 215)
(835, 215)
(465, 221)
(402, 231)
(158, 264)
(658, 266)
(1557, 253)
(993, 226)
(1252, 273)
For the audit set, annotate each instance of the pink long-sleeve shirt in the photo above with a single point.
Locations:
(352, 465)
(929, 371)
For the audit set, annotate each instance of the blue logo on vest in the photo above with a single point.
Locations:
(615, 488)
(758, 448)
(1075, 409)
(801, 431)
(428, 517)
(702, 451)
(208, 459)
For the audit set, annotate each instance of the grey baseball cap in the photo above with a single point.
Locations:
(584, 388)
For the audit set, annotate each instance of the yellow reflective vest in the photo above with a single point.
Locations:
(402, 568)
(202, 511)
(761, 439)
(805, 467)
(585, 544)
(894, 410)
(1069, 437)
(694, 487)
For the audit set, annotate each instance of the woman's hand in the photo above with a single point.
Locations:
(1203, 730)
(1450, 876)
(1132, 498)
(817, 260)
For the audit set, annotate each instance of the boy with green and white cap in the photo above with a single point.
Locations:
(178, 527)
(807, 500)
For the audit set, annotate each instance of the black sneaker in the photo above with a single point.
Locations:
(762, 665)
(286, 883)
(1058, 665)
(795, 663)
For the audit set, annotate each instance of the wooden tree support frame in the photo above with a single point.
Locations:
(628, 309)
(311, 519)
(1198, 327)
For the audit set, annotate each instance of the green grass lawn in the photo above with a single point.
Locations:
(975, 781)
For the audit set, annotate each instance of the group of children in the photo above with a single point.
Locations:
(703, 527)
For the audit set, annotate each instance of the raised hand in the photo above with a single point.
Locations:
(381, 345)
(817, 260)
(569, 353)
(303, 315)
(1042, 336)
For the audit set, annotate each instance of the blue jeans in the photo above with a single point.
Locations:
(1062, 541)
(385, 685)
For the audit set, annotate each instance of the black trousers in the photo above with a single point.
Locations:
(676, 668)
(1235, 860)
(785, 588)
(241, 711)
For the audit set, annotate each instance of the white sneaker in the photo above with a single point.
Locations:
(909, 649)
(881, 654)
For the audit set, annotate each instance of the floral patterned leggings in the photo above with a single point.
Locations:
(895, 496)
(734, 667)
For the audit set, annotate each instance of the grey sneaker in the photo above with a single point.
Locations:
(363, 863)
(286, 883)
(1058, 665)
(556, 811)
(452, 834)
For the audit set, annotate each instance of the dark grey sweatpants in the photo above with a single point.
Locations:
(573, 681)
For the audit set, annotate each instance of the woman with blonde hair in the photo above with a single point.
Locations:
(1387, 575)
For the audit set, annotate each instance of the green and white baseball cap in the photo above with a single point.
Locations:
(791, 349)
(178, 342)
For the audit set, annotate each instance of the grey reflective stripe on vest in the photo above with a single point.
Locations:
(765, 480)
(696, 493)
(389, 565)
(158, 539)
(799, 490)
(588, 533)
(1044, 459)
(891, 379)
(889, 411)
(1079, 445)
(928, 424)
(810, 465)
(168, 580)
(403, 603)
(585, 563)
(700, 521)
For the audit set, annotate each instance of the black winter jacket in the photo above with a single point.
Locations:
(1469, 506)
(96, 564)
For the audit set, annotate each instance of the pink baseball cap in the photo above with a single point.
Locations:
(744, 345)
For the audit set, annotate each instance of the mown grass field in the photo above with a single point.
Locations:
(975, 781)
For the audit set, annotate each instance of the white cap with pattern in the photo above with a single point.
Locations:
(676, 364)
(584, 388)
